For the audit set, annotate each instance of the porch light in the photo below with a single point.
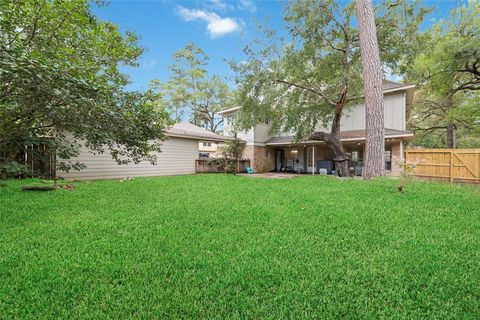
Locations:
(294, 151)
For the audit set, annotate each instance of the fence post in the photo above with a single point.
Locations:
(451, 165)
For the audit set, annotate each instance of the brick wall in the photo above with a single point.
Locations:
(320, 152)
(396, 157)
(260, 162)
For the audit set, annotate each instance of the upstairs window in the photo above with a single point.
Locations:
(229, 119)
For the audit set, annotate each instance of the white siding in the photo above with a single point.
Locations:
(177, 157)
(261, 133)
(395, 109)
(354, 118)
(245, 135)
(257, 135)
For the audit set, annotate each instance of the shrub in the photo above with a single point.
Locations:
(13, 169)
(406, 173)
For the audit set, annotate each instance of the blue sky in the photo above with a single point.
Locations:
(220, 27)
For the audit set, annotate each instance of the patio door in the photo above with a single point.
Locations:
(310, 162)
(278, 159)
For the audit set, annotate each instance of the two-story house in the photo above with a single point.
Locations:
(281, 153)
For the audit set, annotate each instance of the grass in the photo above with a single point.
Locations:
(217, 246)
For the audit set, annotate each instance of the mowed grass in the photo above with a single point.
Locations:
(219, 246)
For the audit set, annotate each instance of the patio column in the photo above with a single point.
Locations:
(313, 159)
(401, 151)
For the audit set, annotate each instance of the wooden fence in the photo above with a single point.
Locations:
(208, 166)
(462, 165)
(38, 159)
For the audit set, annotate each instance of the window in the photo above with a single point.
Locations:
(207, 144)
(388, 157)
(354, 155)
(203, 155)
(229, 119)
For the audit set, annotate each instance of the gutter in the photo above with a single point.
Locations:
(187, 136)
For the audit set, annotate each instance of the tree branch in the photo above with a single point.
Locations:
(321, 136)
(430, 129)
(338, 111)
(309, 89)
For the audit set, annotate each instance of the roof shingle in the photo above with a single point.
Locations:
(188, 130)
(390, 85)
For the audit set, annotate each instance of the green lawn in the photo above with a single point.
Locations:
(218, 246)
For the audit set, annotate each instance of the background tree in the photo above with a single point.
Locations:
(59, 71)
(216, 96)
(314, 76)
(170, 97)
(373, 91)
(191, 93)
(447, 72)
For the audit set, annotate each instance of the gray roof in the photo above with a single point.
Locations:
(390, 85)
(349, 135)
(188, 130)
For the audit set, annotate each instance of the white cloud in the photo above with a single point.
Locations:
(216, 25)
(218, 5)
(248, 5)
(149, 64)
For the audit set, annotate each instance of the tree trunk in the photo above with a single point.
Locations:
(332, 139)
(452, 135)
(339, 155)
(373, 91)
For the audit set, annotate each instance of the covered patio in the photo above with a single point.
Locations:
(313, 157)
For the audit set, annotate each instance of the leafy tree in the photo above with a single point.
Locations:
(190, 92)
(215, 97)
(311, 78)
(441, 122)
(170, 98)
(59, 71)
(448, 74)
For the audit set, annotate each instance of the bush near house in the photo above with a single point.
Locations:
(228, 246)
